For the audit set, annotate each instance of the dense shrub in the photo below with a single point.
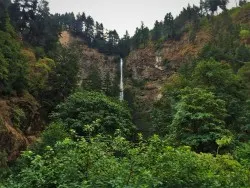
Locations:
(92, 113)
(115, 162)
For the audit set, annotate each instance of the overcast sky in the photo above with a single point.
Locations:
(123, 15)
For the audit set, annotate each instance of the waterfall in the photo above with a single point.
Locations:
(121, 81)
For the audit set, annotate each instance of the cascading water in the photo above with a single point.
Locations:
(121, 81)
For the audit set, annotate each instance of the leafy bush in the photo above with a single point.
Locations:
(50, 136)
(115, 162)
(244, 34)
(242, 154)
(199, 119)
(92, 113)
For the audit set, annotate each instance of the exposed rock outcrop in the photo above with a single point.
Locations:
(19, 124)
(93, 62)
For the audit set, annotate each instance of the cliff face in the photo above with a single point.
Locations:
(94, 66)
(177, 52)
(94, 62)
(147, 69)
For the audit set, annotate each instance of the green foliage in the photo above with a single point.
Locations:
(164, 109)
(34, 21)
(96, 110)
(141, 37)
(3, 68)
(244, 34)
(220, 79)
(242, 2)
(4, 169)
(114, 162)
(242, 154)
(39, 75)
(94, 81)
(124, 45)
(244, 74)
(210, 51)
(216, 76)
(214, 105)
(242, 54)
(62, 79)
(18, 117)
(199, 119)
(54, 133)
(189, 15)
(13, 72)
(224, 141)
(39, 52)
(224, 42)
(13, 67)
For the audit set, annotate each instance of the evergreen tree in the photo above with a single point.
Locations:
(89, 30)
(94, 81)
(141, 36)
(112, 44)
(157, 31)
(169, 25)
(223, 4)
(13, 74)
(78, 26)
(124, 45)
(242, 2)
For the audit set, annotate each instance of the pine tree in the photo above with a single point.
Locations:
(169, 25)
(157, 31)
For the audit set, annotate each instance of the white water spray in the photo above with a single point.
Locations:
(121, 81)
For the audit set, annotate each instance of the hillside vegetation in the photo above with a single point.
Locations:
(185, 120)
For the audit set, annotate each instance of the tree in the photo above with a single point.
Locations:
(124, 45)
(35, 23)
(38, 72)
(24, 16)
(242, 2)
(164, 109)
(244, 74)
(112, 44)
(78, 26)
(220, 79)
(223, 4)
(199, 120)
(13, 73)
(213, 5)
(94, 81)
(93, 113)
(141, 36)
(169, 26)
(99, 31)
(189, 15)
(63, 79)
(157, 31)
(245, 35)
(242, 54)
(89, 30)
